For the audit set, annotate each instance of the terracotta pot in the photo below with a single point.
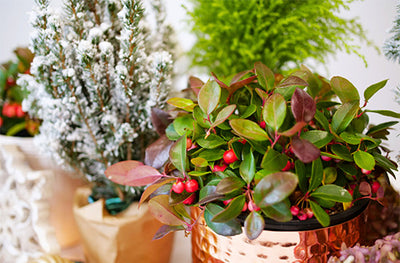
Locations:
(125, 237)
(280, 242)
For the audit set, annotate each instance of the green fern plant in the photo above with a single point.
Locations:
(234, 34)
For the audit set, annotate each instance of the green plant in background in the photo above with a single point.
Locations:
(13, 120)
(234, 34)
(98, 75)
(392, 45)
(261, 145)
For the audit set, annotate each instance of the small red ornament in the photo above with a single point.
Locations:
(230, 156)
(178, 187)
(191, 186)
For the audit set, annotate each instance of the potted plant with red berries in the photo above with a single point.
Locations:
(286, 160)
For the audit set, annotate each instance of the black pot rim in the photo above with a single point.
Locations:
(313, 224)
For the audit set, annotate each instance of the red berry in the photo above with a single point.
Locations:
(375, 187)
(226, 202)
(10, 81)
(309, 212)
(190, 200)
(366, 172)
(262, 124)
(351, 191)
(178, 187)
(230, 156)
(288, 166)
(191, 186)
(252, 206)
(219, 168)
(295, 210)
(18, 111)
(302, 216)
(242, 141)
(245, 207)
(9, 110)
(1, 121)
(188, 143)
(326, 158)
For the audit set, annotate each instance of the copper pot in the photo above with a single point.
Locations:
(283, 243)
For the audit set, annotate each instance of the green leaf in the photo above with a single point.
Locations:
(247, 168)
(230, 228)
(248, 129)
(233, 209)
(381, 127)
(330, 175)
(371, 90)
(212, 155)
(317, 137)
(171, 133)
(274, 111)
(16, 129)
(182, 103)
(348, 169)
(265, 76)
(351, 138)
(153, 187)
(209, 96)
(344, 115)
(279, 212)
(345, 90)
(387, 113)
(177, 154)
(292, 81)
(211, 142)
(199, 173)
(201, 118)
(160, 208)
(384, 162)
(208, 194)
(223, 115)
(300, 169)
(342, 152)
(321, 119)
(184, 124)
(332, 192)
(317, 174)
(320, 214)
(324, 203)
(249, 111)
(273, 160)
(253, 225)
(274, 188)
(229, 185)
(199, 162)
(364, 160)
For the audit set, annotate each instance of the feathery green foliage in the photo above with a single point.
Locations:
(234, 34)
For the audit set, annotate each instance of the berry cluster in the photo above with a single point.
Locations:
(12, 110)
(302, 214)
(189, 186)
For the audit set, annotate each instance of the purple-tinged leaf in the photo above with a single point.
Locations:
(237, 85)
(229, 184)
(253, 225)
(220, 83)
(303, 106)
(157, 153)
(265, 76)
(182, 103)
(263, 95)
(274, 188)
(345, 90)
(274, 111)
(223, 115)
(344, 115)
(292, 81)
(195, 84)
(160, 120)
(165, 230)
(239, 75)
(209, 97)
(160, 209)
(305, 150)
(153, 187)
(177, 154)
(295, 129)
(230, 228)
(232, 211)
(279, 212)
(248, 129)
(208, 194)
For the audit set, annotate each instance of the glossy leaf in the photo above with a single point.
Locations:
(320, 214)
(279, 212)
(248, 129)
(342, 151)
(165, 230)
(121, 169)
(365, 188)
(160, 209)
(387, 113)
(293, 81)
(274, 188)
(305, 150)
(300, 169)
(160, 120)
(371, 90)
(201, 117)
(303, 106)
(321, 119)
(384, 162)
(233, 209)
(209, 97)
(153, 187)
(195, 84)
(182, 103)
(211, 142)
(238, 76)
(229, 184)
(157, 153)
(317, 174)
(220, 83)
(230, 228)
(212, 155)
(208, 194)
(223, 115)
(294, 130)
(237, 85)
(171, 133)
(253, 225)
(199, 162)
(330, 175)
(274, 111)
(381, 126)
(184, 124)
(177, 154)
(344, 115)
(345, 90)
(351, 138)
(273, 160)
(317, 137)
(265, 76)
(332, 192)
(364, 160)
(247, 168)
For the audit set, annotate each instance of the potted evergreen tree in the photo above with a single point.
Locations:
(98, 75)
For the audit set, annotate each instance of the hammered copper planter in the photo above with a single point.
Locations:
(285, 245)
